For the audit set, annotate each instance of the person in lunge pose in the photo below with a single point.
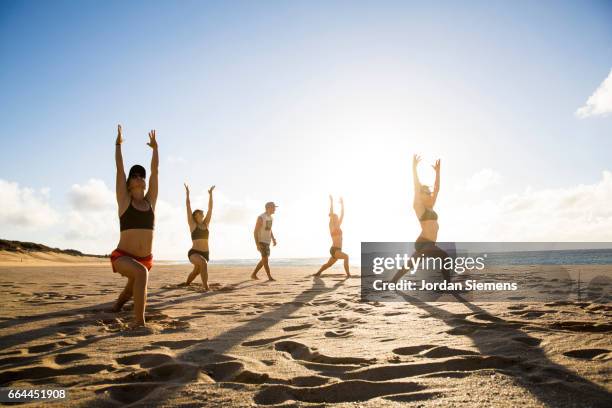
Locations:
(263, 235)
(198, 226)
(336, 235)
(423, 205)
(133, 258)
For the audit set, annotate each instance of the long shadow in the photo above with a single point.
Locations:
(553, 385)
(92, 314)
(105, 307)
(262, 322)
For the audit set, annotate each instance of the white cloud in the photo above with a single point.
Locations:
(25, 207)
(92, 196)
(575, 213)
(483, 180)
(600, 103)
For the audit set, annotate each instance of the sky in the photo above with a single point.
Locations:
(291, 101)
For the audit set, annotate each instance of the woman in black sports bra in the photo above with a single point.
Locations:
(133, 258)
(336, 234)
(198, 226)
(424, 201)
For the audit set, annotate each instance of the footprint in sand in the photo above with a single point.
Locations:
(128, 393)
(587, 354)
(530, 341)
(298, 327)
(299, 351)
(412, 350)
(582, 327)
(145, 360)
(431, 351)
(67, 358)
(43, 372)
(347, 391)
(178, 344)
(41, 348)
(338, 333)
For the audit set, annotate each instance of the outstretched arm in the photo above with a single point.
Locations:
(331, 205)
(437, 183)
(210, 206)
(152, 192)
(120, 183)
(415, 178)
(341, 212)
(190, 220)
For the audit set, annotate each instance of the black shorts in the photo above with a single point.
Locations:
(422, 243)
(333, 250)
(195, 251)
(264, 248)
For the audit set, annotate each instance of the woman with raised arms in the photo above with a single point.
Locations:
(133, 258)
(423, 204)
(336, 235)
(198, 226)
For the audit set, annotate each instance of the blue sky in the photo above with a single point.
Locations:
(289, 101)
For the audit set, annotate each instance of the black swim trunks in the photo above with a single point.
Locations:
(333, 250)
(195, 251)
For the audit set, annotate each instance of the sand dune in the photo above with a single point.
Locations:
(297, 341)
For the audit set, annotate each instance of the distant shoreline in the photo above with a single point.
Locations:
(30, 248)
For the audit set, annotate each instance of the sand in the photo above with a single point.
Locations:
(294, 342)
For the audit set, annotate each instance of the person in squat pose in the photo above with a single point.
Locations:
(136, 204)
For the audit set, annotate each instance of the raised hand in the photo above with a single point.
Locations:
(210, 190)
(119, 136)
(436, 166)
(152, 142)
(341, 201)
(186, 188)
(415, 160)
(331, 199)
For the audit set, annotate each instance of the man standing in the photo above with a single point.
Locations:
(263, 235)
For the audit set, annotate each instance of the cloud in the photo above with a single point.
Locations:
(25, 207)
(575, 213)
(227, 210)
(600, 103)
(92, 196)
(482, 180)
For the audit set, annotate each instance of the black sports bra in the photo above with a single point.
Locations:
(133, 218)
(199, 233)
(428, 215)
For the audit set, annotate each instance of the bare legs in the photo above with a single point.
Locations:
(124, 296)
(337, 255)
(192, 275)
(200, 267)
(138, 276)
(266, 266)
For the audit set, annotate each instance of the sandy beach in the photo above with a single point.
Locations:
(297, 341)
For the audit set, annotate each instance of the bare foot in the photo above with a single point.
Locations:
(253, 276)
(316, 275)
(270, 279)
(116, 308)
(137, 324)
